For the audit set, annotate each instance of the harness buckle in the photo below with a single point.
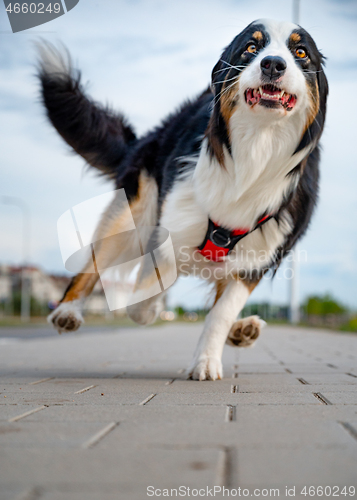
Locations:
(220, 238)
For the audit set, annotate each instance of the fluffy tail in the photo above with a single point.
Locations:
(99, 135)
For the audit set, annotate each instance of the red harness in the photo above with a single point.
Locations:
(219, 241)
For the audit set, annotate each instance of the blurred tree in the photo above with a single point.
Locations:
(323, 305)
(180, 311)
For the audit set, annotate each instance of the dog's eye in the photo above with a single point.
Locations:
(301, 53)
(252, 48)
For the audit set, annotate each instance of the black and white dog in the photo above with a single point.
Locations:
(232, 175)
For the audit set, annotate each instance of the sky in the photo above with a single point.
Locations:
(145, 58)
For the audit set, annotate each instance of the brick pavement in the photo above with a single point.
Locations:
(104, 415)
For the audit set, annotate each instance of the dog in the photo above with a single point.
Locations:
(232, 175)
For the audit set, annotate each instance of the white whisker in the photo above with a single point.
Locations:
(228, 79)
(231, 66)
(222, 92)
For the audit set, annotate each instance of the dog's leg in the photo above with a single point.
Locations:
(150, 282)
(108, 245)
(245, 332)
(147, 311)
(157, 272)
(207, 363)
(67, 316)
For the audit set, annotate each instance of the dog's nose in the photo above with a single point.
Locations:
(273, 66)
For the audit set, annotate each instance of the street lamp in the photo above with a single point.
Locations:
(25, 280)
(296, 11)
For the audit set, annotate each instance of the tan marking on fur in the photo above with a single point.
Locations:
(314, 101)
(295, 37)
(220, 287)
(228, 100)
(215, 144)
(258, 35)
(247, 282)
(250, 284)
(81, 282)
(107, 247)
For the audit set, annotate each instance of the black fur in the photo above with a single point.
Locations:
(179, 135)
(102, 137)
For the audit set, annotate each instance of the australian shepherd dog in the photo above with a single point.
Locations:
(232, 175)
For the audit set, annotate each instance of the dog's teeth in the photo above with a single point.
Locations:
(281, 93)
(260, 91)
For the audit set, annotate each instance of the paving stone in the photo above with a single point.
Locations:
(301, 387)
(306, 466)
(328, 379)
(344, 398)
(261, 368)
(268, 379)
(298, 398)
(24, 434)
(293, 413)
(8, 411)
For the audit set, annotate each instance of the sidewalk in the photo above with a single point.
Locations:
(102, 416)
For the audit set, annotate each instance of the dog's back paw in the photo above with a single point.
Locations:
(245, 331)
(67, 317)
(147, 311)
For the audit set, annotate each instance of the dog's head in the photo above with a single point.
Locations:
(271, 70)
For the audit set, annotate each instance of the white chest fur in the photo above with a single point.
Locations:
(254, 181)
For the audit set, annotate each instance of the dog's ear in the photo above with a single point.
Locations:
(216, 132)
(314, 131)
(323, 86)
(217, 76)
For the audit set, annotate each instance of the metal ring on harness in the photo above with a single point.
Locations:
(223, 240)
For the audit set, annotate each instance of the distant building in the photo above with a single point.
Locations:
(5, 283)
(44, 288)
(49, 289)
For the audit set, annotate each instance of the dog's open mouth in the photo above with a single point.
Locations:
(270, 97)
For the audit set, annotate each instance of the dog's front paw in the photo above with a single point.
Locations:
(146, 312)
(206, 368)
(67, 317)
(245, 331)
